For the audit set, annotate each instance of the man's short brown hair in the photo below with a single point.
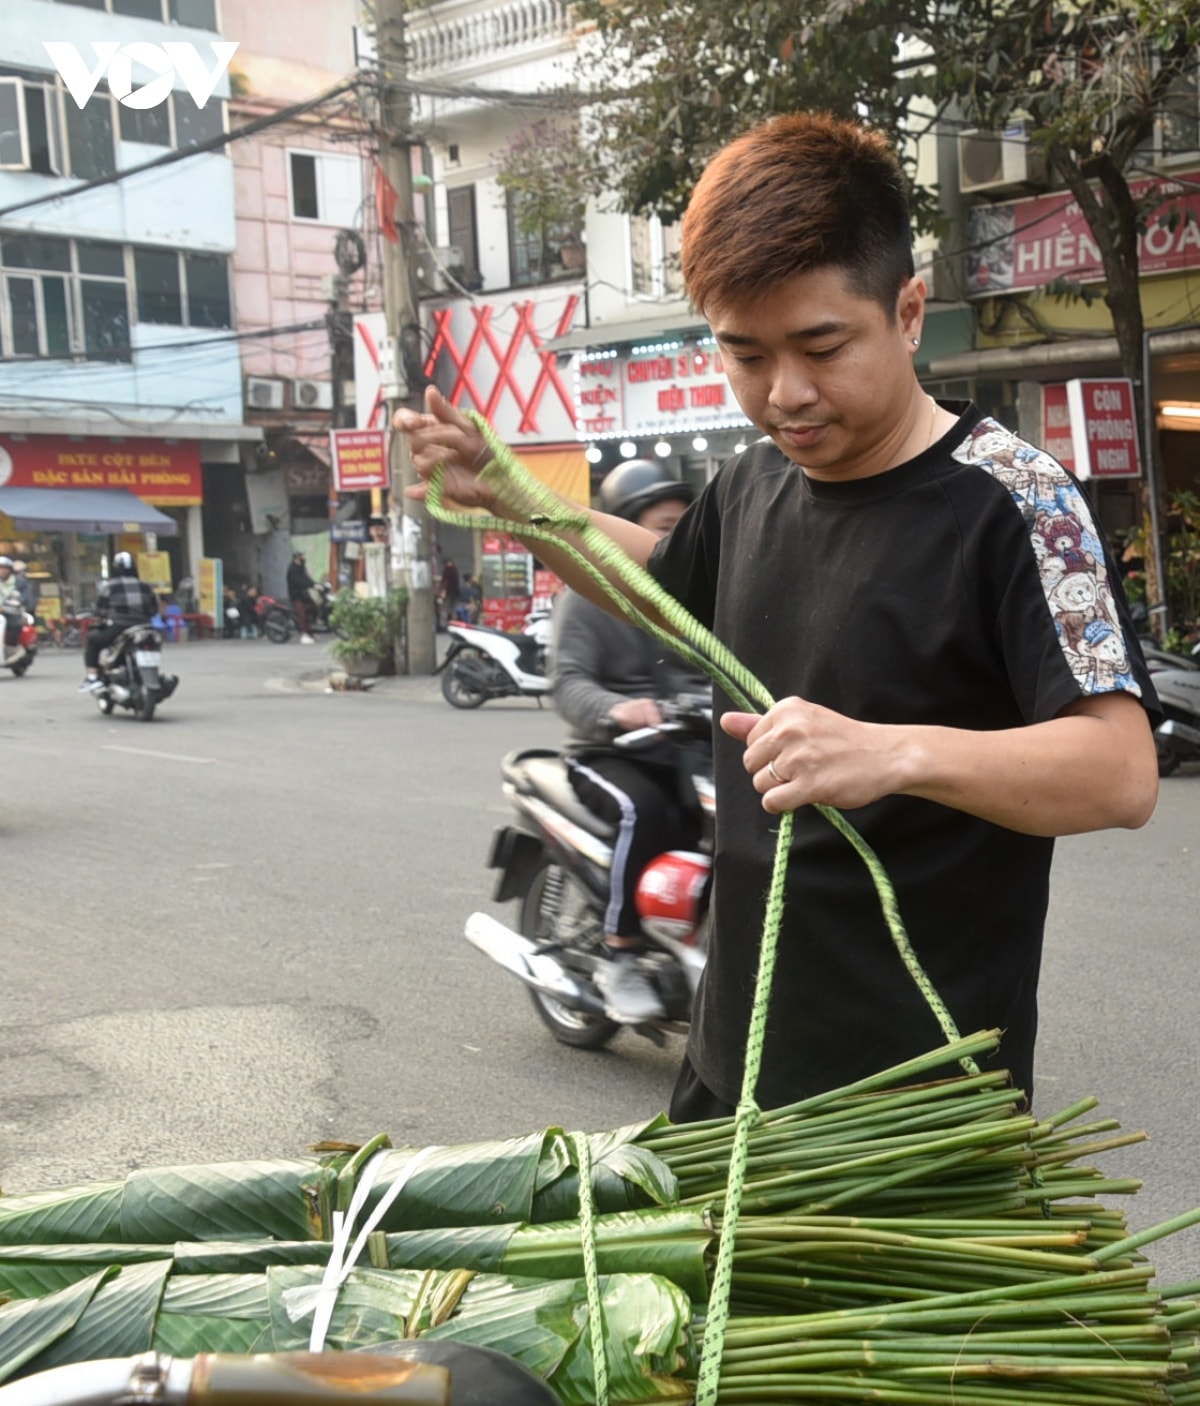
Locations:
(798, 193)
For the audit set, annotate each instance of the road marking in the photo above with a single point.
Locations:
(162, 756)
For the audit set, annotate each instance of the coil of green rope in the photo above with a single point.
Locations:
(549, 519)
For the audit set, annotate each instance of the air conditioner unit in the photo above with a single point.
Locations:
(312, 395)
(993, 163)
(264, 393)
(434, 264)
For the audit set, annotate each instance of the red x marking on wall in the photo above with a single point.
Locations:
(375, 419)
(467, 368)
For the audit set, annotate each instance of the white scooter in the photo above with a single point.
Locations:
(23, 652)
(484, 663)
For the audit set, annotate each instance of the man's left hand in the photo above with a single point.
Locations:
(802, 754)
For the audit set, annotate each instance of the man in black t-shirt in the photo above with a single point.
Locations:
(928, 596)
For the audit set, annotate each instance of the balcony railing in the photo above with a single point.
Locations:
(453, 36)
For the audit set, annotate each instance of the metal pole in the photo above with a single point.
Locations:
(403, 323)
(1160, 620)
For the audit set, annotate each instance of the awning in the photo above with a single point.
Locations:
(683, 326)
(83, 510)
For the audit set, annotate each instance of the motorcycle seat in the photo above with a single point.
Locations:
(544, 774)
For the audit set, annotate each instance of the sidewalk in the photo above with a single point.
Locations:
(317, 678)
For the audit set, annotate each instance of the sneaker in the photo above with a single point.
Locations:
(91, 685)
(629, 995)
(307, 639)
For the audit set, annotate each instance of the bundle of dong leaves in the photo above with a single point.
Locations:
(898, 1241)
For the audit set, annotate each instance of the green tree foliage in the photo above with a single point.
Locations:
(546, 171)
(1093, 78)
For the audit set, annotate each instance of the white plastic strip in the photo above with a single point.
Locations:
(341, 1261)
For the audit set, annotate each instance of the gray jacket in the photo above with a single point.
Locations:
(597, 660)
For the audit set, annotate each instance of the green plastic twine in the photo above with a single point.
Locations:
(547, 518)
(587, 1236)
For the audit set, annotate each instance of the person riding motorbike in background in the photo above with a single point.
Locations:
(608, 677)
(300, 585)
(12, 606)
(123, 600)
(26, 588)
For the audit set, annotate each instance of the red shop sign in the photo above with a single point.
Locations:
(359, 459)
(1104, 429)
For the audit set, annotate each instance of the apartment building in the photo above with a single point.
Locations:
(119, 365)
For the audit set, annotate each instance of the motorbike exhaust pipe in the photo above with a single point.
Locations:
(119, 692)
(516, 954)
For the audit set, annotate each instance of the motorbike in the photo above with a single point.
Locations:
(556, 862)
(278, 618)
(131, 673)
(18, 657)
(484, 663)
(1176, 679)
(420, 1370)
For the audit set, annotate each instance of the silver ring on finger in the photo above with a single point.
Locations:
(775, 776)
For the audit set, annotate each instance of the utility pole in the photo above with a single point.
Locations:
(403, 324)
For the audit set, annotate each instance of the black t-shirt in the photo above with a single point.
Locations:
(966, 588)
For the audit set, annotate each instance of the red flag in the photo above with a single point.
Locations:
(386, 196)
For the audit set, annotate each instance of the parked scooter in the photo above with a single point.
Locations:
(19, 656)
(131, 673)
(556, 862)
(1176, 679)
(484, 663)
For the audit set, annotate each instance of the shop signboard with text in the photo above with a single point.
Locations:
(359, 459)
(1104, 429)
(1019, 245)
(1056, 437)
(210, 590)
(676, 388)
(162, 472)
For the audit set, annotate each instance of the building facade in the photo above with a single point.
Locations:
(119, 364)
(306, 264)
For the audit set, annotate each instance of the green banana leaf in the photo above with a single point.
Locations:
(30, 1326)
(213, 1313)
(287, 1199)
(117, 1322)
(671, 1242)
(63, 1215)
(515, 1180)
(648, 1344)
(32, 1271)
(373, 1306)
(519, 1180)
(625, 1177)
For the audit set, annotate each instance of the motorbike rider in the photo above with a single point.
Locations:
(26, 588)
(608, 677)
(12, 606)
(123, 600)
(300, 585)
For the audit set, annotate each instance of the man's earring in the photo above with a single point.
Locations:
(916, 341)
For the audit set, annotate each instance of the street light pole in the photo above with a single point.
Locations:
(402, 311)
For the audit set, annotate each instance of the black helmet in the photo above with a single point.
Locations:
(637, 484)
(123, 565)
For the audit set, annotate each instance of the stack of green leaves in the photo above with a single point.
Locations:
(900, 1241)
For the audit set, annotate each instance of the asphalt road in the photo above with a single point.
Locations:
(237, 930)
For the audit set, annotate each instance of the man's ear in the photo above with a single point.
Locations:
(910, 307)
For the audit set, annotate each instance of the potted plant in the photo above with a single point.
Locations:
(368, 628)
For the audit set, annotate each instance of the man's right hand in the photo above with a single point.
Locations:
(634, 713)
(444, 435)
